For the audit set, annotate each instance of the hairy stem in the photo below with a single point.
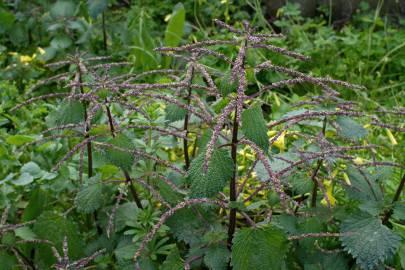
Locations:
(87, 129)
(185, 128)
(128, 179)
(232, 185)
(316, 171)
(389, 212)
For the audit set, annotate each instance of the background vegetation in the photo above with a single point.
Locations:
(63, 206)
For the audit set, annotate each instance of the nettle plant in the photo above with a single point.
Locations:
(215, 181)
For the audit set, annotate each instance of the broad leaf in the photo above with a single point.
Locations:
(174, 113)
(89, 198)
(370, 242)
(122, 159)
(220, 171)
(96, 7)
(350, 129)
(259, 248)
(254, 127)
(54, 227)
(217, 257)
(363, 186)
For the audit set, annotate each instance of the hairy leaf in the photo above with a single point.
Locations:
(89, 198)
(254, 127)
(259, 248)
(220, 171)
(370, 242)
(174, 113)
(217, 257)
(119, 158)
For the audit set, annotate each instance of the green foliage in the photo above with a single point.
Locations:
(90, 196)
(117, 157)
(254, 127)
(259, 248)
(55, 228)
(217, 257)
(175, 27)
(350, 129)
(219, 172)
(369, 252)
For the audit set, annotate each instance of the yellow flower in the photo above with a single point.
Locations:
(280, 142)
(26, 58)
(391, 137)
(329, 195)
(358, 161)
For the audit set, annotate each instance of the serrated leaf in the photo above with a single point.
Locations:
(54, 227)
(119, 158)
(259, 248)
(174, 113)
(189, 225)
(71, 112)
(220, 171)
(89, 198)
(173, 261)
(370, 243)
(254, 127)
(350, 129)
(363, 187)
(217, 257)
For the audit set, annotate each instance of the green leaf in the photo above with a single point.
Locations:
(350, 129)
(186, 224)
(89, 198)
(8, 261)
(259, 248)
(63, 9)
(370, 242)
(220, 171)
(71, 112)
(124, 211)
(54, 227)
(36, 204)
(19, 140)
(119, 158)
(6, 20)
(24, 179)
(33, 169)
(61, 42)
(175, 28)
(226, 87)
(217, 257)
(363, 187)
(173, 261)
(96, 7)
(174, 113)
(254, 127)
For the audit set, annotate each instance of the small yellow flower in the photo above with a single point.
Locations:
(276, 99)
(358, 161)
(26, 59)
(280, 142)
(329, 193)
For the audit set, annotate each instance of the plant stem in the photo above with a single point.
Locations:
(232, 185)
(316, 171)
(104, 32)
(87, 129)
(128, 179)
(185, 128)
(389, 212)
